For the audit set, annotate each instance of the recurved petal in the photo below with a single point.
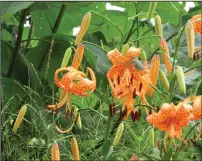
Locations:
(116, 58)
(133, 52)
(82, 86)
(197, 108)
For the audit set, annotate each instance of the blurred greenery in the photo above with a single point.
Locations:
(28, 84)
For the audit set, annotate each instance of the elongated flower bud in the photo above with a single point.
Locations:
(190, 36)
(66, 57)
(164, 80)
(143, 55)
(19, 118)
(55, 152)
(154, 71)
(78, 121)
(152, 8)
(75, 149)
(166, 55)
(197, 23)
(158, 26)
(118, 134)
(78, 56)
(181, 79)
(124, 50)
(151, 137)
(84, 27)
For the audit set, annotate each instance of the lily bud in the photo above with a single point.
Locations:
(151, 137)
(124, 50)
(75, 149)
(78, 121)
(66, 57)
(78, 56)
(181, 79)
(152, 8)
(55, 152)
(154, 71)
(84, 27)
(119, 133)
(190, 36)
(166, 55)
(158, 26)
(164, 80)
(143, 55)
(19, 118)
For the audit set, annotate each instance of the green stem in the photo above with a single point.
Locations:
(29, 36)
(161, 148)
(146, 37)
(193, 68)
(54, 30)
(18, 42)
(176, 49)
(115, 25)
(108, 126)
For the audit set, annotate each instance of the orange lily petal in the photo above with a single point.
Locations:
(170, 119)
(84, 85)
(197, 23)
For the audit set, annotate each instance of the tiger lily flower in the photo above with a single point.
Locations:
(127, 77)
(170, 118)
(154, 71)
(166, 55)
(197, 23)
(74, 81)
(196, 109)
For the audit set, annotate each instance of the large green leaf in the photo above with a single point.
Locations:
(10, 8)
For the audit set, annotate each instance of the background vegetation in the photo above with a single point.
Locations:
(30, 54)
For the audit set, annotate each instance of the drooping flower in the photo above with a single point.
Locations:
(128, 77)
(171, 119)
(74, 81)
(166, 55)
(195, 110)
(197, 23)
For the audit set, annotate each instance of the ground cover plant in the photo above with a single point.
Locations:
(85, 81)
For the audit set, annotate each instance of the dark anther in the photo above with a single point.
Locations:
(118, 79)
(133, 116)
(157, 110)
(150, 111)
(111, 109)
(134, 93)
(131, 79)
(140, 88)
(136, 115)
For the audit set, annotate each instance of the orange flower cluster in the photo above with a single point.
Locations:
(74, 81)
(197, 23)
(128, 77)
(173, 118)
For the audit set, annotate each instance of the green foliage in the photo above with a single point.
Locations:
(109, 29)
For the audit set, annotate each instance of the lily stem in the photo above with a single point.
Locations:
(108, 126)
(18, 42)
(54, 30)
